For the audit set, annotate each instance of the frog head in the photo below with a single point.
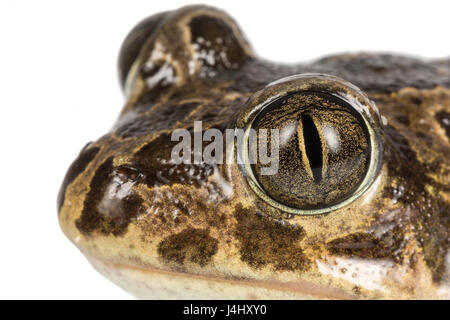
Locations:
(228, 176)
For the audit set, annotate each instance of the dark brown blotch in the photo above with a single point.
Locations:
(264, 241)
(425, 137)
(86, 155)
(367, 245)
(402, 159)
(412, 176)
(434, 237)
(403, 119)
(103, 212)
(190, 245)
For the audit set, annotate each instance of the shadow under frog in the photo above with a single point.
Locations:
(165, 230)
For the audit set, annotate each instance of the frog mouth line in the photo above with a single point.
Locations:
(137, 280)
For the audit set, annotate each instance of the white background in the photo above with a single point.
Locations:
(59, 90)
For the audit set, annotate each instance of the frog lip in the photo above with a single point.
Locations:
(153, 283)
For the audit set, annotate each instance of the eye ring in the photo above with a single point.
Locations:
(328, 85)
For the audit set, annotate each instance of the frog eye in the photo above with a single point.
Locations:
(328, 143)
(170, 48)
(134, 42)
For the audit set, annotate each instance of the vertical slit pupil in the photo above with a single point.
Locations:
(313, 146)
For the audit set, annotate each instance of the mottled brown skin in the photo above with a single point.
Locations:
(120, 203)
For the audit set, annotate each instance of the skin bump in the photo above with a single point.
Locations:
(153, 160)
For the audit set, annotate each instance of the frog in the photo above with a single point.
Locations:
(359, 206)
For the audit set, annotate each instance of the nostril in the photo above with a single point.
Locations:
(111, 204)
(128, 172)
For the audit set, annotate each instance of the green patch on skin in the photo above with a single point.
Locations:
(264, 241)
(190, 245)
